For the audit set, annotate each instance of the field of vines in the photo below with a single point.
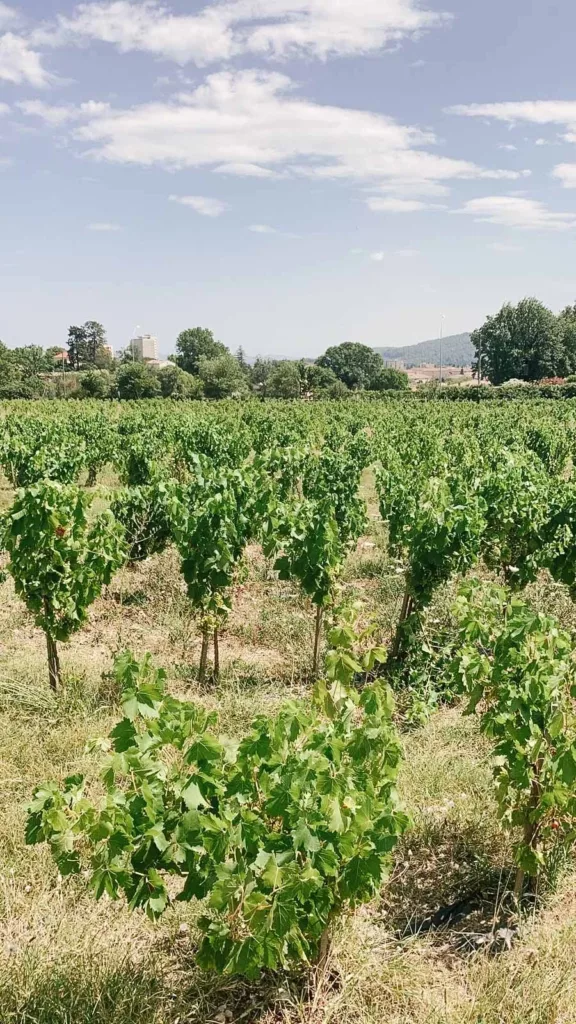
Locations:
(288, 713)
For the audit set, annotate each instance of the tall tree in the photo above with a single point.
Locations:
(95, 341)
(358, 366)
(522, 342)
(85, 345)
(194, 344)
(243, 362)
(567, 324)
(77, 347)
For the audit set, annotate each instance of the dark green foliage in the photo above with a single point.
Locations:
(59, 559)
(176, 383)
(357, 366)
(195, 344)
(517, 669)
(136, 380)
(390, 379)
(520, 342)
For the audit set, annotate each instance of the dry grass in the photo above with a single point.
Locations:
(65, 959)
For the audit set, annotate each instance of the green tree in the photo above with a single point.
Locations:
(317, 380)
(243, 362)
(32, 359)
(358, 366)
(521, 342)
(194, 344)
(95, 336)
(136, 380)
(390, 379)
(77, 347)
(86, 345)
(284, 381)
(176, 383)
(222, 377)
(15, 380)
(567, 325)
(95, 384)
(261, 371)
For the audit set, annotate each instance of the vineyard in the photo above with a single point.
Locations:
(287, 712)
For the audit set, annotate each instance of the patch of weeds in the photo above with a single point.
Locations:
(130, 599)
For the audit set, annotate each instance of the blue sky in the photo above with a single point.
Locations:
(290, 173)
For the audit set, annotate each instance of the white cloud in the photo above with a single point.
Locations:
(57, 115)
(245, 170)
(262, 229)
(103, 226)
(19, 64)
(377, 256)
(51, 115)
(277, 29)
(392, 205)
(235, 122)
(8, 16)
(204, 205)
(4, 108)
(566, 173)
(507, 146)
(561, 112)
(515, 212)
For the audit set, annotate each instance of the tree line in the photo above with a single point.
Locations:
(527, 342)
(202, 367)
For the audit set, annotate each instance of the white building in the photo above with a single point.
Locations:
(145, 346)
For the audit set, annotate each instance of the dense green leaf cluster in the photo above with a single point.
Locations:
(59, 558)
(517, 668)
(278, 833)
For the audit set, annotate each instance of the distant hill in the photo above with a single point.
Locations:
(457, 350)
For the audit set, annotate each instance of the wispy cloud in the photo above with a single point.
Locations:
(536, 111)
(262, 229)
(516, 212)
(206, 206)
(557, 112)
(391, 204)
(274, 29)
(250, 123)
(55, 115)
(8, 16)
